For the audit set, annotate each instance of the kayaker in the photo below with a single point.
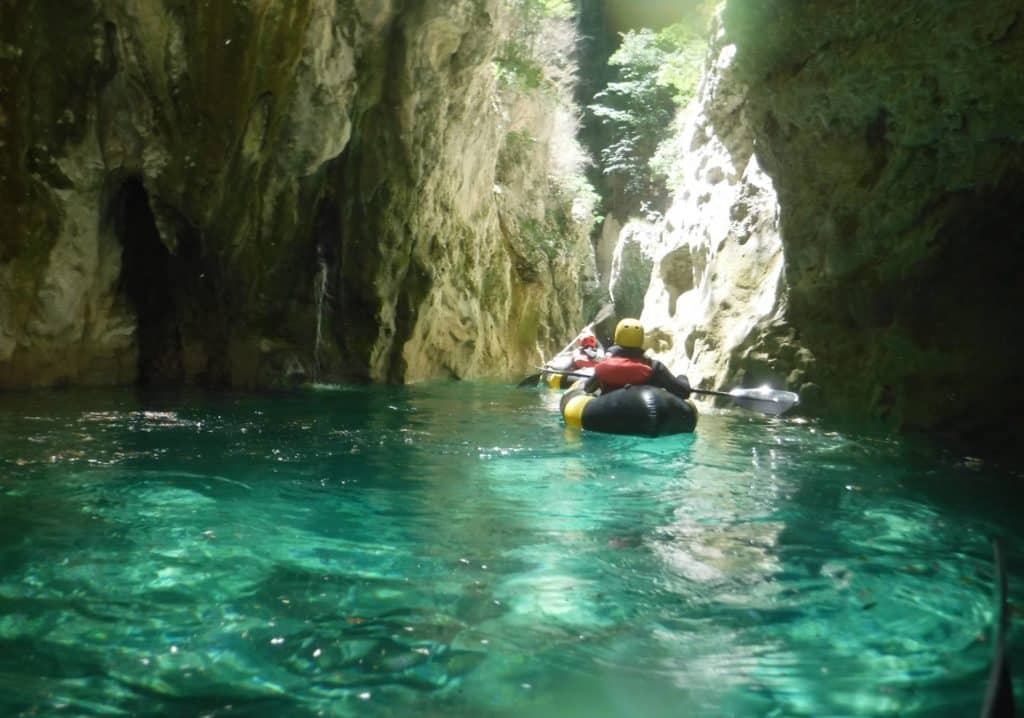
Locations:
(627, 365)
(588, 352)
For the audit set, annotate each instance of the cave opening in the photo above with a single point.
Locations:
(146, 282)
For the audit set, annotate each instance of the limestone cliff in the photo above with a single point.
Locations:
(255, 193)
(716, 298)
(850, 180)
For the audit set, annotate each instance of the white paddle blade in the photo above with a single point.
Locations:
(765, 400)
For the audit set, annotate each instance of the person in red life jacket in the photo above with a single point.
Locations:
(588, 353)
(626, 365)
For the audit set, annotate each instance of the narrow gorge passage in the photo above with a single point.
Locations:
(272, 275)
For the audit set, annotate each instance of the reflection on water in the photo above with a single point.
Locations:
(453, 550)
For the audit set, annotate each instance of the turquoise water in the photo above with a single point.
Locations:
(451, 550)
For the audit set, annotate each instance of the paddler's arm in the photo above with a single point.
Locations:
(664, 378)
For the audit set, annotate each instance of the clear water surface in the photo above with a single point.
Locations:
(452, 550)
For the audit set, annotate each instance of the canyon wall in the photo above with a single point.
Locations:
(715, 304)
(844, 222)
(265, 194)
(260, 194)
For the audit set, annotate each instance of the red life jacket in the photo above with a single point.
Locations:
(581, 359)
(616, 372)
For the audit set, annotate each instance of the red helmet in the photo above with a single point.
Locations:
(589, 341)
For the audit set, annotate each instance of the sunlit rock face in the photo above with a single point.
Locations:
(257, 194)
(877, 151)
(716, 302)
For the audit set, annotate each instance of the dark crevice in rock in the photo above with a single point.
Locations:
(966, 304)
(414, 290)
(802, 64)
(1011, 30)
(370, 181)
(327, 233)
(111, 52)
(146, 281)
(202, 295)
(342, 225)
(878, 148)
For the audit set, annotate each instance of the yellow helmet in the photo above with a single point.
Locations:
(629, 333)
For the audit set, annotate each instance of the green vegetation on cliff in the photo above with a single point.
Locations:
(655, 74)
(531, 57)
(534, 69)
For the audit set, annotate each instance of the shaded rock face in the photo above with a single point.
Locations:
(256, 194)
(891, 141)
(895, 139)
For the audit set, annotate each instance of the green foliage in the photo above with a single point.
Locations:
(553, 235)
(683, 61)
(540, 236)
(538, 10)
(525, 59)
(516, 65)
(514, 151)
(666, 163)
(655, 74)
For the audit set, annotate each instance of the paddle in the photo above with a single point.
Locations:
(529, 381)
(763, 399)
(999, 701)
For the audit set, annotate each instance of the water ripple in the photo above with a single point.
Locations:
(452, 549)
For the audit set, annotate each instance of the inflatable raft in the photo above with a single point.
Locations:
(636, 410)
(553, 380)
